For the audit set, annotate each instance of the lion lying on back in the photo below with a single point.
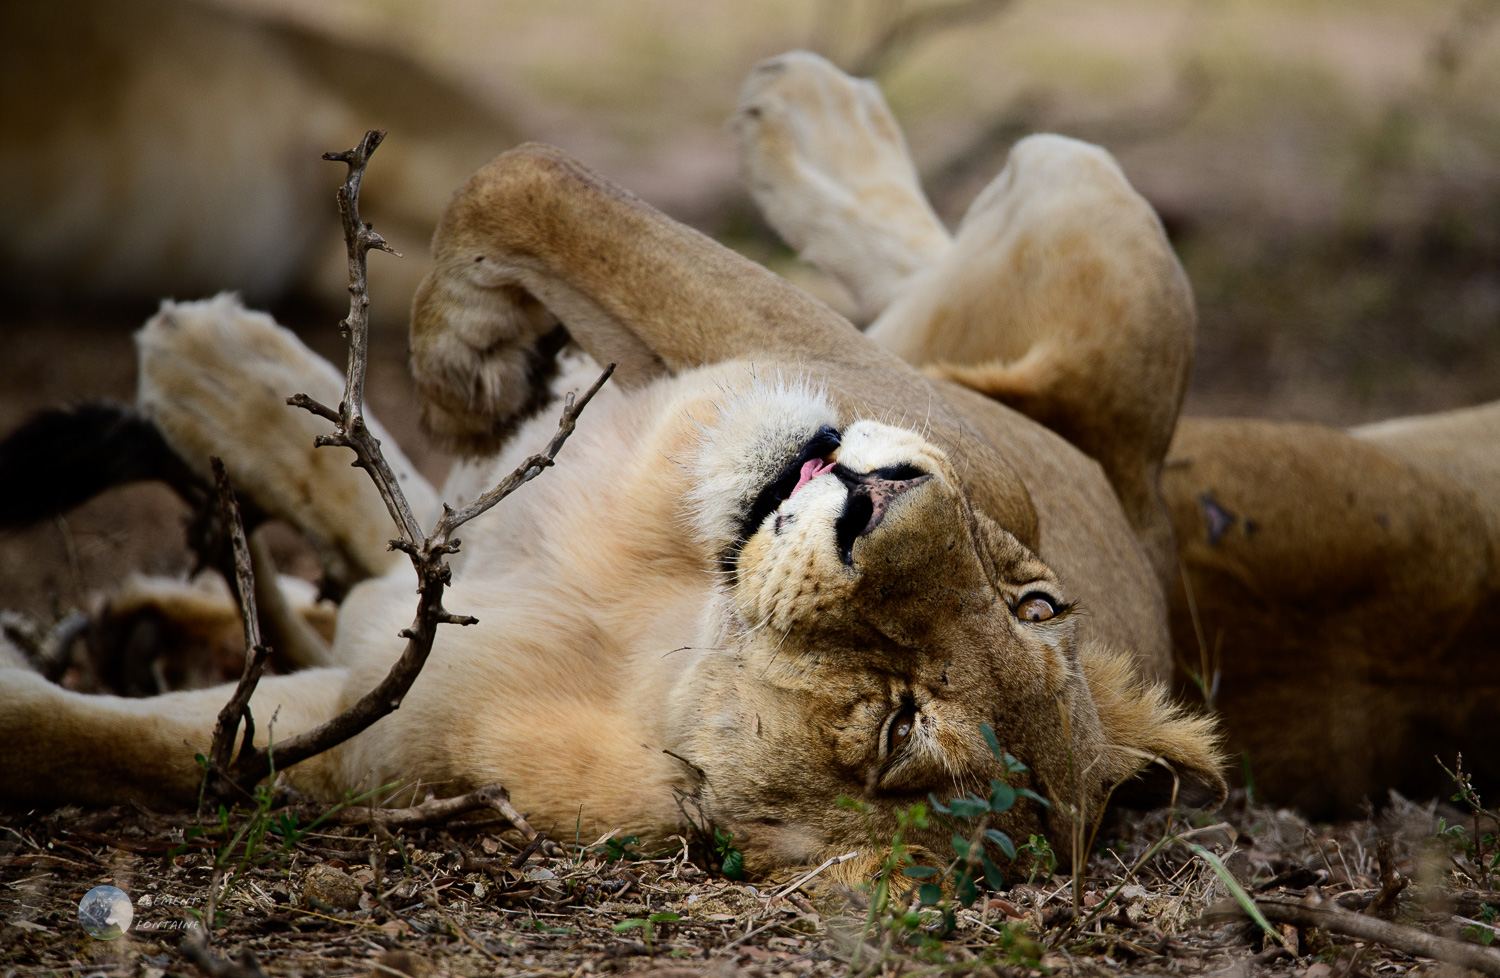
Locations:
(775, 566)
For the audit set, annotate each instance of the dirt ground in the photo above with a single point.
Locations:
(470, 898)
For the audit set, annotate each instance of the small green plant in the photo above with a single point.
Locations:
(1043, 859)
(898, 916)
(969, 817)
(719, 853)
(1484, 930)
(647, 926)
(1480, 849)
(883, 916)
(731, 860)
(248, 842)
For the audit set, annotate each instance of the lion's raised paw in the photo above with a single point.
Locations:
(828, 167)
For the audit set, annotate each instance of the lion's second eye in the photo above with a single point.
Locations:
(901, 729)
(1035, 607)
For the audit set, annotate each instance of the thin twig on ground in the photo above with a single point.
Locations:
(431, 899)
(1313, 911)
(808, 877)
(433, 810)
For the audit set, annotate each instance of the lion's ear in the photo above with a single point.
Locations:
(1154, 747)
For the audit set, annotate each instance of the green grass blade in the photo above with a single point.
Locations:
(1246, 902)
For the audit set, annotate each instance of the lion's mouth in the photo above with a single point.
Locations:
(870, 494)
(814, 458)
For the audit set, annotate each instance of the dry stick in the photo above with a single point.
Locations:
(427, 552)
(491, 796)
(806, 878)
(1316, 912)
(211, 904)
(433, 574)
(220, 754)
(1391, 883)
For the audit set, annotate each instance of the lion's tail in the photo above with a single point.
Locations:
(62, 458)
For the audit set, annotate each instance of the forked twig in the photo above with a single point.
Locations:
(1391, 883)
(428, 551)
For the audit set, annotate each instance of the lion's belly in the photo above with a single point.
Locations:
(589, 597)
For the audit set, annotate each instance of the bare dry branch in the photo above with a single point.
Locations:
(428, 552)
(1313, 911)
(433, 810)
(433, 574)
(1391, 883)
(527, 470)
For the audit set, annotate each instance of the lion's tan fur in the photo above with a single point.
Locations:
(1347, 600)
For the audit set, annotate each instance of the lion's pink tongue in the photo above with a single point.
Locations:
(811, 469)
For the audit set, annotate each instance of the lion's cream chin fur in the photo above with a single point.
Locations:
(754, 426)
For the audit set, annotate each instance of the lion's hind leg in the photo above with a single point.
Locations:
(1062, 297)
(215, 377)
(829, 169)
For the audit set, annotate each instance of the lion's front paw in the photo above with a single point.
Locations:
(483, 356)
(829, 168)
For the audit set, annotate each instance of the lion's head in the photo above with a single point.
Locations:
(870, 620)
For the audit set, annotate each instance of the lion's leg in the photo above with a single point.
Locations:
(1062, 298)
(214, 377)
(62, 746)
(828, 167)
(535, 228)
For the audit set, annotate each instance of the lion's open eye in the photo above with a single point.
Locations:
(900, 729)
(1035, 607)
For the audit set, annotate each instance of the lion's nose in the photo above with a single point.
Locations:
(870, 495)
